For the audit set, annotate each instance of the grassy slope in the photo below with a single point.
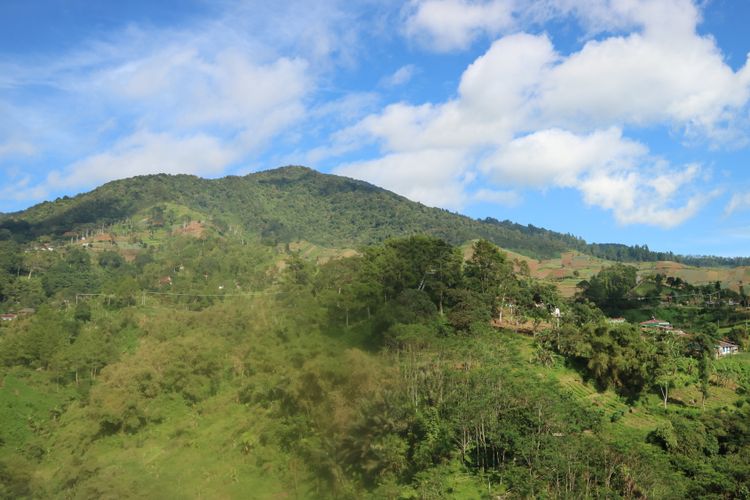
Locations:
(632, 423)
(572, 267)
(213, 449)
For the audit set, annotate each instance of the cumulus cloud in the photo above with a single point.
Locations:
(660, 71)
(644, 79)
(491, 105)
(558, 157)
(640, 197)
(446, 25)
(433, 176)
(528, 116)
(146, 152)
(610, 171)
(143, 100)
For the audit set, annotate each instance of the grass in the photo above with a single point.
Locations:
(572, 267)
(28, 402)
(212, 450)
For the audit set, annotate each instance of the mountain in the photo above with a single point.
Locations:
(298, 203)
(282, 205)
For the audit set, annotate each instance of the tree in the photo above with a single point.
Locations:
(82, 312)
(703, 349)
(666, 363)
(111, 260)
(489, 273)
(336, 285)
(610, 288)
(620, 357)
(297, 271)
(418, 262)
(71, 275)
(470, 307)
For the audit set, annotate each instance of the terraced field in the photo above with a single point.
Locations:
(572, 267)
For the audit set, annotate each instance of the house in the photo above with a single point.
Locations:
(26, 311)
(8, 317)
(724, 348)
(655, 323)
(166, 280)
(616, 321)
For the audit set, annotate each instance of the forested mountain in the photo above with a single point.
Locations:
(282, 205)
(297, 203)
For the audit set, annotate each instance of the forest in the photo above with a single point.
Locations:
(173, 358)
(297, 203)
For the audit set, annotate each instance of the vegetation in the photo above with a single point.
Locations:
(180, 351)
(297, 203)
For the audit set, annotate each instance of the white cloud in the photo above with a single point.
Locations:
(610, 171)
(635, 198)
(526, 115)
(661, 72)
(611, 16)
(199, 99)
(146, 152)
(557, 157)
(401, 76)
(433, 176)
(16, 148)
(491, 104)
(193, 87)
(445, 25)
(23, 189)
(738, 202)
(643, 80)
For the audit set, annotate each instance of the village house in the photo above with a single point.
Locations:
(724, 348)
(8, 317)
(616, 321)
(656, 323)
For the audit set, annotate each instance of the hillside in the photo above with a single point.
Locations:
(297, 203)
(179, 361)
(175, 337)
(283, 205)
(568, 269)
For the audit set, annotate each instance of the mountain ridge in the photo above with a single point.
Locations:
(296, 202)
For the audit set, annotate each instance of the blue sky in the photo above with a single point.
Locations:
(615, 120)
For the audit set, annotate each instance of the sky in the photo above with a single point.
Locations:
(614, 120)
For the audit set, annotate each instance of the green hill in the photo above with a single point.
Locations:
(282, 205)
(297, 203)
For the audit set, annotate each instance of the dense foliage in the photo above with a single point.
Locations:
(172, 337)
(212, 364)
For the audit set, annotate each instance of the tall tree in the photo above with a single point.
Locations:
(489, 273)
